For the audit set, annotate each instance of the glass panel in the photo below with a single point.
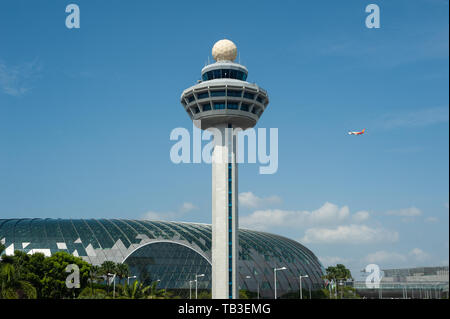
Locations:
(203, 95)
(217, 93)
(248, 95)
(234, 93)
(245, 107)
(225, 73)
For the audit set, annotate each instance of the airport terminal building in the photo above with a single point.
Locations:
(409, 283)
(172, 252)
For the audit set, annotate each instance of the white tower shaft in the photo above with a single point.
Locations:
(225, 242)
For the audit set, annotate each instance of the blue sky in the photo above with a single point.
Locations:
(85, 118)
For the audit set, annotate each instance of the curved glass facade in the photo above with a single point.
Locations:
(171, 263)
(172, 252)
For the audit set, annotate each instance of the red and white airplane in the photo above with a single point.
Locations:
(357, 133)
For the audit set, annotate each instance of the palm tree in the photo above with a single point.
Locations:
(337, 273)
(122, 271)
(155, 292)
(136, 290)
(12, 287)
(94, 275)
(107, 269)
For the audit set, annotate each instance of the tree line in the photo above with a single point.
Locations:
(24, 276)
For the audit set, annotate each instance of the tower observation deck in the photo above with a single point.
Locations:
(222, 101)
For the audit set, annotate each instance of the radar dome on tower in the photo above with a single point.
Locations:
(224, 50)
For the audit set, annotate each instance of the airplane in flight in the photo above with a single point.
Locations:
(357, 133)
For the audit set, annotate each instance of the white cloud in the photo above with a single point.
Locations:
(325, 215)
(418, 254)
(158, 215)
(171, 215)
(349, 234)
(405, 212)
(187, 207)
(250, 200)
(17, 80)
(385, 257)
(412, 258)
(431, 220)
(360, 216)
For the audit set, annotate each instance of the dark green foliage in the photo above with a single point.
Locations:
(338, 272)
(37, 276)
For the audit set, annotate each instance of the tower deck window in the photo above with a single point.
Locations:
(203, 95)
(217, 74)
(245, 107)
(224, 74)
(217, 93)
(206, 107)
(219, 106)
(248, 95)
(234, 93)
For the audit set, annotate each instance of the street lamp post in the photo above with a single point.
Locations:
(248, 277)
(196, 281)
(190, 288)
(257, 282)
(275, 278)
(158, 281)
(114, 284)
(300, 278)
(128, 279)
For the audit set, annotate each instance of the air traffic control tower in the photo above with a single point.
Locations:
(221, 101)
